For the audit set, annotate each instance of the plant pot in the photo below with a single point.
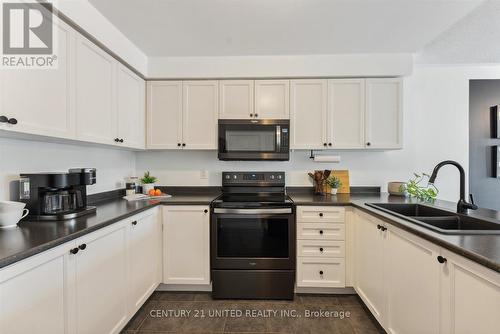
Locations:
(147, 187)
(333, 191)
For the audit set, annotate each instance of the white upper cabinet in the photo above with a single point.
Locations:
(308, 113)
(131, 108)
(384, 117)
(164, 114)
(236, 99)
(272, 99)
(186, 240)
(346, 113)
(199, 116)
(95, 93)
(41, 99)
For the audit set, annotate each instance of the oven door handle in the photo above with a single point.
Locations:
(253, 211)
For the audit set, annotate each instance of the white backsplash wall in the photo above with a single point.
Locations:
(18, 156)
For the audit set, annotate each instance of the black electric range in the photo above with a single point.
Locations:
(253, 237)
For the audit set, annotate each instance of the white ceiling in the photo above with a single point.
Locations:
(197, 28)
(473, 39)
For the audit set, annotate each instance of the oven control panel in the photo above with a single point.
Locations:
(253, 178)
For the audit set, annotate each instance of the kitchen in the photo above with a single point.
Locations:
(230, 124)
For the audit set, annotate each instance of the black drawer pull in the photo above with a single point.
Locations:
(321, 272)
(206, 211)
(321, 249)
(321, 214)
(379, 227)
(441, 259)
(134, 222)
(12, 121)
(74, 250)
(320, 231)
(4, 119)
(82, 246)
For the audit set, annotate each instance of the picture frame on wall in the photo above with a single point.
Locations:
(495, 119)
(495, 161)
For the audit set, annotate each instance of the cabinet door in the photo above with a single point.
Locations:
(95, 93)
(308, 113)
(144, 257)
(164, 114)
(369, 264)
(412, 276)
(470, 296)
(35, 293)
(131, 108)
(186, 243)
(384, 116)
(346, 113)
(236, 99)
(41, 99)
(272, 99)
(200, 110)
(101, 281)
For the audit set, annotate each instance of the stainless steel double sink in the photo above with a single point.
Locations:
(438, 220)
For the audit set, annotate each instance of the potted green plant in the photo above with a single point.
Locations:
(419, 187)
(148, 182)
(334, 183)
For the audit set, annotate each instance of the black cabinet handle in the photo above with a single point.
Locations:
(4, 119)
(321, 272)
(321, 214)
(251, 115)
(384, 228)
(183, 144)
(329, 144)
(179, 144)
(320, 231)
(134, 222)
(321, 249)
(82, 246)
(324, 144)
(74, 250)
(12, 121)
(121, 140)
(117, 140)
(256, 115)
(379, 227)
(441, 259)
(206, 211)
(368, 144)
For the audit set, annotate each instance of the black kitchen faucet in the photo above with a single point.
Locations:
(462, 205)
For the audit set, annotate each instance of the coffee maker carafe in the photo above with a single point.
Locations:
(57, 196)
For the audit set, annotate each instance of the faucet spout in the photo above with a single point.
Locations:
(462, 205)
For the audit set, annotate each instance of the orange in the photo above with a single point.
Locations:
(151, 192)
(157, 192)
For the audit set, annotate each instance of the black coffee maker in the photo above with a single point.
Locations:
(57, 196)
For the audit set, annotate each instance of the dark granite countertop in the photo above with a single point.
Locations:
(31, 238)
(483, 249)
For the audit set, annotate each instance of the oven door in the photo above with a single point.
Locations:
(253, 238)
(253, 140)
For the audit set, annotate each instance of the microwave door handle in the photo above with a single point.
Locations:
(278, 138)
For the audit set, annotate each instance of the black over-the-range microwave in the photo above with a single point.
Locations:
(266, 139)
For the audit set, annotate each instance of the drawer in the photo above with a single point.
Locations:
(321, 231)
(320, 214)
(320, 248)
(317, 272)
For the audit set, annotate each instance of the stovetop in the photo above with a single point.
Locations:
(255, 200)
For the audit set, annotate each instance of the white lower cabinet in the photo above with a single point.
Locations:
(35, 293)
(186, 240)
(101, 281)
(320, 247)
(369, 264)
(401, 279)
(145, 257)
(93, 284)
(470, 297)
